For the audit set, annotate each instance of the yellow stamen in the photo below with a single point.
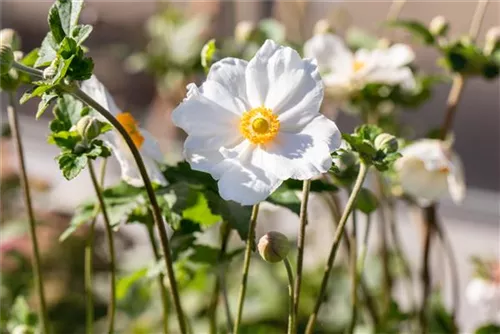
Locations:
(259, 125)
(130, 124)
(444, 170)
(358, 65)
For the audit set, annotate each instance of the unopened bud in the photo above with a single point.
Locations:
(386, 142)
(244, 31)
(492, 42)
(273, 247)
(50, 72)
(6, 58)
(88, 127)
(323, 27)
(439, 26)
(10, 37)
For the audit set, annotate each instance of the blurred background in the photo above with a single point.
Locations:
(151, 87)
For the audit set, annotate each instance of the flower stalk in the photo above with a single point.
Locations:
(111, 249)
(291, 313)
(353, 241)
(300, 245)
(23, 177)
(363, 170)
(246, 266)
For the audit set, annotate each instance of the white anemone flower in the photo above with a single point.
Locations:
(254, 124)
(483, 292)
(429, 169)
(345, 72)
(143, 140)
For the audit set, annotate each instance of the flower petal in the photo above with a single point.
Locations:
(330, 52)
(150, 147)
(397, 55)
(456, 179)
(230, 73)
(96, 90)
(392, 76)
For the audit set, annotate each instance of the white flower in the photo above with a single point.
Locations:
(253, 124)
(144, 141)
(484, 295)
(346, 72)
(429, 169)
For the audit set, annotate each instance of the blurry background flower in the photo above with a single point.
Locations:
(483, 291)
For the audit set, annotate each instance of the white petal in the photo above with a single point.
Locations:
(430, 151)
(202, 116)
(246, 183)
(456, 179)
(96, 90)
(398, 55)
(331, 53)
(337, 86)
(150, 147)
(230, 73)
(392, 76)
(302, 155)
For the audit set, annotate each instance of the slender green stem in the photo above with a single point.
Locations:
(353, 241)
(363, 170)
(300, 246)
(157, 212)
(364, 247)
(89, 248)
(29, 70)
(219, 279)
(395, 9)
(111, 249)
(160, 279)
(246, 266)
(430, 217)
(291, 313)
(23, 177)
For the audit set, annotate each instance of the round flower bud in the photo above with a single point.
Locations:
(6, 58)
(386, 142)
(10, 37)
(244, 31)
(439, 26)
(274, 247)
(88, 127)
(492, 40)
(323, 27)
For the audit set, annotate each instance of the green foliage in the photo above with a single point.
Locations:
(440, 320)
(22, 317)
(488, 329)
(208, 55)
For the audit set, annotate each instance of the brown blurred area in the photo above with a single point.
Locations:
(119, 29)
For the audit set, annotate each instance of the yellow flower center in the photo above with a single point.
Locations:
(358, 65)
(259, 125)
(444, 170)
(132, 127)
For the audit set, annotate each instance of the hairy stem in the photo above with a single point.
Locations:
(23, 178)
(300, 246)
(246, 266)
(291, 313)
(336, 241)
(111, 249)
(157, 212)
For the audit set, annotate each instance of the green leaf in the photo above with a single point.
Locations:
(81, 32)
(197, 210)
(38, 91)
(366, 201)
(55, 23)
(45, 103)
(284, 196)
(65, 139)
(83, 214)
(98, 149)
(416, 28)
(47, 52)
(68, 13)
(71, 165)
(123, 285)
(61, 71)
(30, 58)
(207, 54)
(488, 329)
(203, 254)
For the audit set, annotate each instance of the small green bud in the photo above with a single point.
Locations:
(273, 247)
(88, 127)
(386, 142)
(244, 30)
(492, 42)
(439, 26)
(10, 37)
(323, 27)
(6, 58)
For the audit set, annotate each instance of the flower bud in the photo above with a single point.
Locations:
(323, 27)
(11, 38)
(88, 127)
(273, 247)
(492, 42)
(386, 142)
(50, 72)
(244, 31)
(439, 26)
(6, 58)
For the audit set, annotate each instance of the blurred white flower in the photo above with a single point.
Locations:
(253, 124)
(346, 72)
(429, 169)
(483, 291)
(144, 141)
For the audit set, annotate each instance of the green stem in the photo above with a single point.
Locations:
(111, 248)
(246, 266)
(300, 245)
(157, 212)
(291, 313)
(23, 177)
(430, 217)
(364, 247)
(354, 275)
(336, 241)
(160, 279)
(29, 70)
